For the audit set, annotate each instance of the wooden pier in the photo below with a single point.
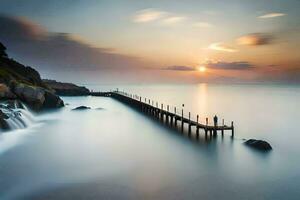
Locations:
(170, 118)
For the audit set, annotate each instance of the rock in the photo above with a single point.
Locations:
(38, 98)
(259, 144)
(14, 104)
(5, 92)
(2, 50)
(33, 96)
(82, 108)
(3, 123)
(52, 101)
(3, 115)
(24, 83)
(67, 89)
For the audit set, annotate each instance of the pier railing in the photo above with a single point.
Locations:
(171, 116)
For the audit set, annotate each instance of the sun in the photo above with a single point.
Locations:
(201, 68)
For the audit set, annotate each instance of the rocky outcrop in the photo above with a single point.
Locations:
(24, 83)
(31, 95)
(2, 50)
(259, 144)
(5, 92)
(82, 108)
(67, 89)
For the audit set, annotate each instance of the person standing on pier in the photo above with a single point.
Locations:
(215, 120)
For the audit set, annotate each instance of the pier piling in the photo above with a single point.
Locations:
(166, 116)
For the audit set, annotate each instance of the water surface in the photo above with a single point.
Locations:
(119, 153)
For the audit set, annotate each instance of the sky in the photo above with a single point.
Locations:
(137, 41)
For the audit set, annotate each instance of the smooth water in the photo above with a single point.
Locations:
(118, 153)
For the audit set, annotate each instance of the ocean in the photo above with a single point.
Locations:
(115, 152)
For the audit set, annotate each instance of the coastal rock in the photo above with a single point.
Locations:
(5, 92)
(33, 96)
(259, 144)
(25, 84)
(52, 101)
(13, 117)
(81, 108)
(67, 89)
(38, 98)
(2, 50)
(3, 123)
(14, 104)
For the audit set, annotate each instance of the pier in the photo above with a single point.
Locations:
(165, 115)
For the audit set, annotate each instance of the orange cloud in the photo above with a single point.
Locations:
(37, 46)
(219, 46)
(148, 15)
(240, 65)
(255, 39)
(271, 15)
(180, 68)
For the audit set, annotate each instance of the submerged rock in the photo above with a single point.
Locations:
(82, 108)
(259, 144)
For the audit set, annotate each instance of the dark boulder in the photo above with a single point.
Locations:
(81, 108)
(52, 101)
(37, 98)
(259, 144)
(3, 123)
(33, 96)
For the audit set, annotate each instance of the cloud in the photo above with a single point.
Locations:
(173, 20)
(34, 45)
(240, 65)
(221, 47)
(255, 39)
(179, 68)
(203, 25)
(271, 15)
(148, 15)
(152, 15)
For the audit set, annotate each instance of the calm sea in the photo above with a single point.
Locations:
(115, 152)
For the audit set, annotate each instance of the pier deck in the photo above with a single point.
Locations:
(170, 118)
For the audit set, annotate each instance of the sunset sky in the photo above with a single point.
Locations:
(157, 40)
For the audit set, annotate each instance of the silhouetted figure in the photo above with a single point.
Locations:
(206, 121)
(215, 120)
